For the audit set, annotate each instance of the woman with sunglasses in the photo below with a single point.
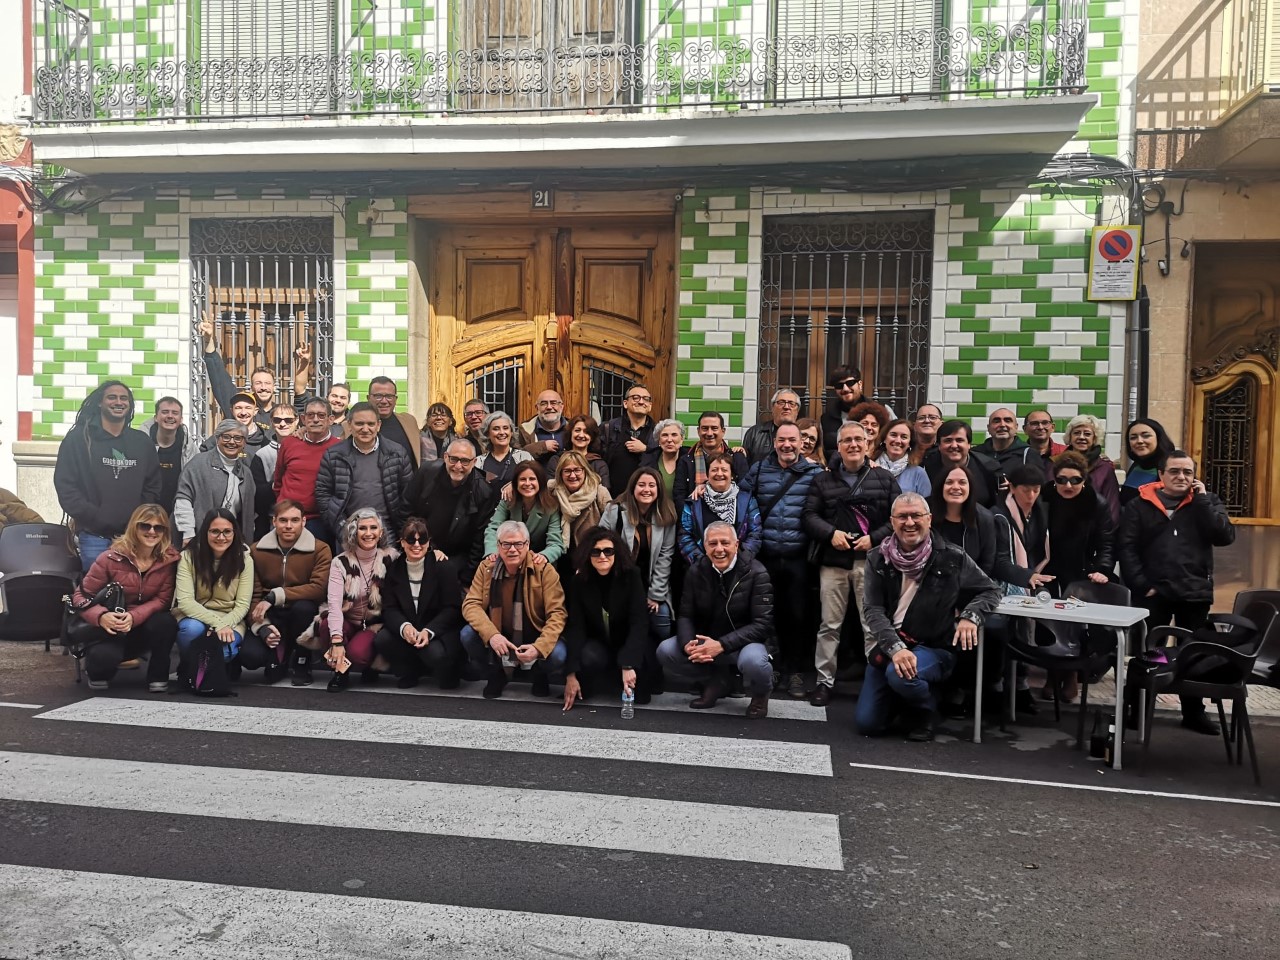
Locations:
(644, 516)
(606, 633)
(215, 587)
(144, 563)
(422, 612)
(438, 431)
(533, 505)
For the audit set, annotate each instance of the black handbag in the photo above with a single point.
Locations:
(75, 627)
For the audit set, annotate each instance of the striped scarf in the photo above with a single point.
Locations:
(517, 602)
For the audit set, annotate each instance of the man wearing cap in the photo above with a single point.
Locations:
(218, 477)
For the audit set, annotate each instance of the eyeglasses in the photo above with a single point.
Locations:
(786, 403)
(640, 399)
(851, 382)
(571, 472)
(222, 534)
(1039, 423)
(551, 403)
(909, 517)
(315, 415)
(1176, 472)
(382, 396)
(1063, 481)
(284, 421)
(928, 418)
(512, 544)
(606, 552)
(152, 527)
(231, 439)
(460, 461)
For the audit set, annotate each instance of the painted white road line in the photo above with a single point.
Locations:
(22, 706)
(565, 740)
(718, 831)
(1094, 788)
(519, 693)
(86, 916)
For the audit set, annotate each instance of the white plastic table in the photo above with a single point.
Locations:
(1108, 615)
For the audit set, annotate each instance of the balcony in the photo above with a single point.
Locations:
(209, 85)
(1209, 98)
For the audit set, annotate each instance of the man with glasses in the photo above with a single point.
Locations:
(1165, 547)
(218, 477)
(1003, 445)
(758, 442)
(298, 466)
(398, 428)
(515, 613)
(473, 415)
(625, 439)
(457, 504)
(105, 469)
(284, 423)
(915, 583)
(1038, 426)
(364, 471)
(544, 435)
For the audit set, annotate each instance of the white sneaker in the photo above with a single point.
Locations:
(158, 686)
(95, 684)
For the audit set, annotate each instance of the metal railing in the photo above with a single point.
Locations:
(209, 60)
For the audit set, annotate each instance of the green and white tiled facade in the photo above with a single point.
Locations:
(1010, 324)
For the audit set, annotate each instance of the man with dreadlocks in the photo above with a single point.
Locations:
(105, 469)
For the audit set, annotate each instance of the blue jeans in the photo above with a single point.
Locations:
(191, 629)
(478, 655)
(91, 546)
(660, 623)
(882, 684)
(752, 661)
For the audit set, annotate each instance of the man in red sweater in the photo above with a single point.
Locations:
(298, 463)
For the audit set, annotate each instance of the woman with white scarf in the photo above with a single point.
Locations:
(896, 458)
(721, 500)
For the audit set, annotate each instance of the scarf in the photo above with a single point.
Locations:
(700, 463)
(231, 498)
(517, 602)
(1019, 546)
(910, 563)
(1092, 455)
(895, 467)
(573, 505)
(723, 505)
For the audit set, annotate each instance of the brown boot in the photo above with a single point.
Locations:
(758, 708)
(711, 694)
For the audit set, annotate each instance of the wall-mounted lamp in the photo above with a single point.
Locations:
(371, 215)
(1186, 250)
(1163, 264)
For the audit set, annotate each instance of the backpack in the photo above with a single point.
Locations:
(205, 668)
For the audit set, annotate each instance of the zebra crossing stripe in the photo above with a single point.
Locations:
(84, 916)
(564, 740)
(566, 818)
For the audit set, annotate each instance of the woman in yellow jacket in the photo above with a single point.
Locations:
(215, 585)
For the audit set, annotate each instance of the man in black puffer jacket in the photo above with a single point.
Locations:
(1165, 546)
(725, 624)
(846, 514)
(363, 471)
(457, 503)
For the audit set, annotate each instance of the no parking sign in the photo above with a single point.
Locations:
(1113, 263)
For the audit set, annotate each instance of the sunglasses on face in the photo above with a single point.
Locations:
(1073, 481)
(152, 527)
(417, 540)
(851, 382)
(606, 552)
(284, 421)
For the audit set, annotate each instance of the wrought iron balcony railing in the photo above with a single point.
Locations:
(220, 60)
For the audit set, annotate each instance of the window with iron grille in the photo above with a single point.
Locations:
(847, 290)
(497, 384)
(609, 385)
(267, 288)
(1230, 456)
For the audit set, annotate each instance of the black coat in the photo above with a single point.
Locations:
(333, 482)
(951, 581)
(985, 471)
(830, 507)
(1172, 555)
(735, 609)
(463, 541)
(1081, 535)
(613, 448)
(978, 541)
(627, 632)
(1033, 541)
(439, 606)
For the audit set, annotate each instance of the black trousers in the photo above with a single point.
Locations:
(443, 657)
(793, 611)
(154, 638)
(1187, 614)
(598, 669)
(290, 620)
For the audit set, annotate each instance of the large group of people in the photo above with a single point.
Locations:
(560, 551)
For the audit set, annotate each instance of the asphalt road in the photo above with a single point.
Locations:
(924, 865)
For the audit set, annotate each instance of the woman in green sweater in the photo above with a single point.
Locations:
(215, 584)
(534, 506)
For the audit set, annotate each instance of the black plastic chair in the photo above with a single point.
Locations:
(1073, 651)
(1206, 670)
(1249, 603)
(38, 565)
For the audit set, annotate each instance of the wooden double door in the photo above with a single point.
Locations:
(585, 309)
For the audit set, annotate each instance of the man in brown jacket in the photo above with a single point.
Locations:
(290, 576)
(515, 607)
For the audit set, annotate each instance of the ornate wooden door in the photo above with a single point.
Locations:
(585, 310)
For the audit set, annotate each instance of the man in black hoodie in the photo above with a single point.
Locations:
(105, 469)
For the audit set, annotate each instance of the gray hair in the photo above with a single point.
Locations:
(847, 425)
(908, 498)
(352, 524)
(228, 425)
(1085, 420)
(491, 418)
(512, 526)
(719, 525)
(476, 402)
(663, 424)
(778, 394)
(461, 441)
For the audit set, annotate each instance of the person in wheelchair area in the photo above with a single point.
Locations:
(143, 561)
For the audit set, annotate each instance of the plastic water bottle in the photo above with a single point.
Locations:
(628, 704)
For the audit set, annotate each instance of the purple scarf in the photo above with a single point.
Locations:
(910, 564)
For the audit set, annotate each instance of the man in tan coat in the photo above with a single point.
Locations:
(516, 609)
